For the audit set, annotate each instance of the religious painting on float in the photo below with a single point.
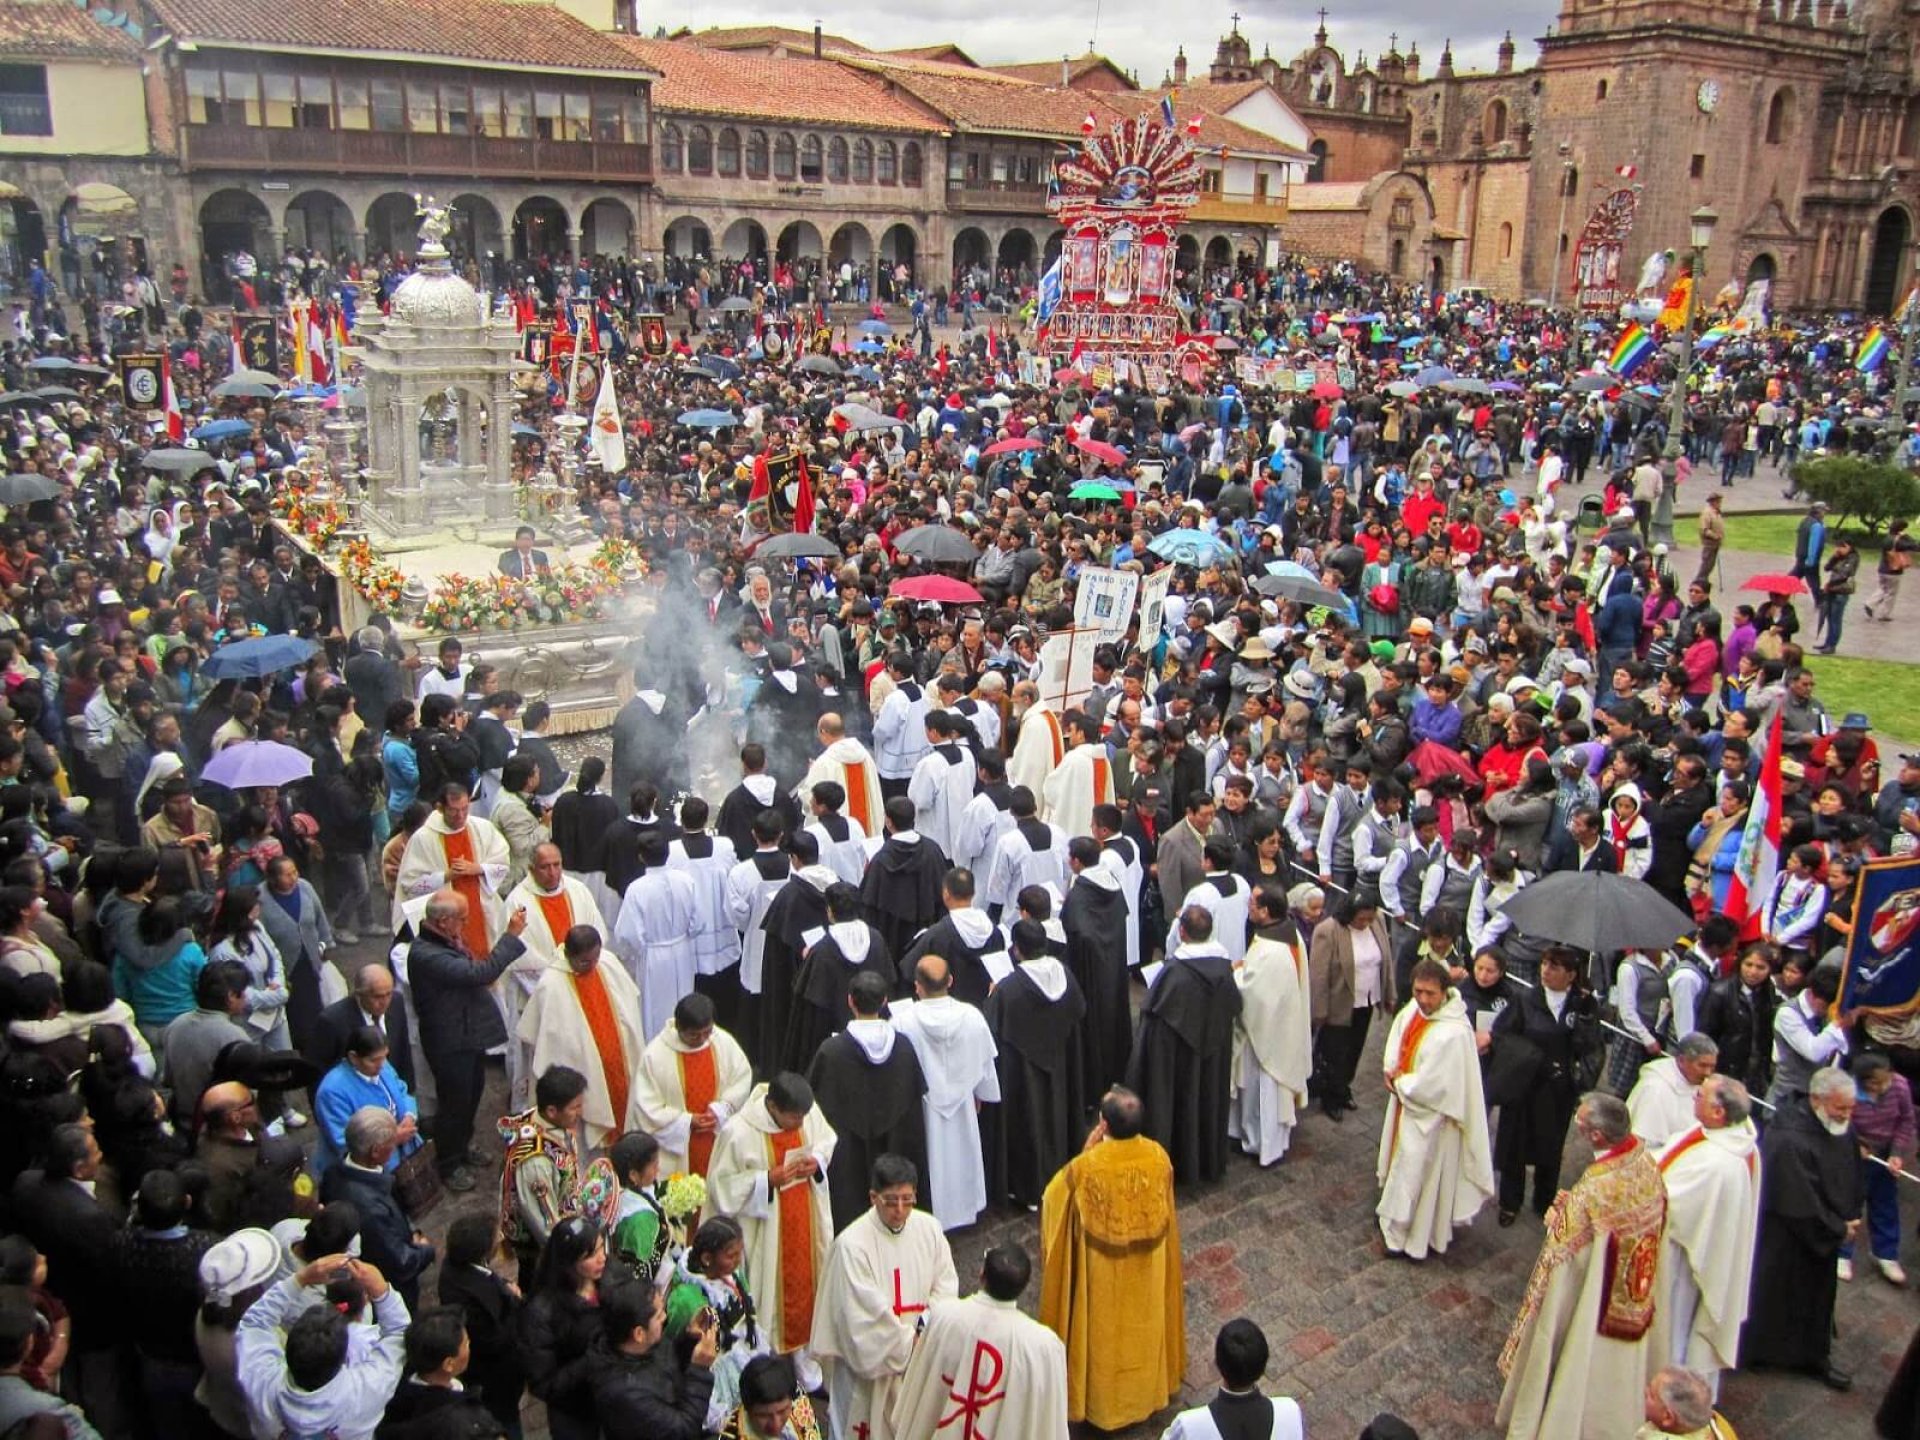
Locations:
(1121, 199)
(1882, 974)
(1597, 259)
(652, 335)
(536, 344)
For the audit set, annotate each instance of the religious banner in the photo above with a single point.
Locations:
(1882, 967)
(1103, 602)
(536, 344)
(1153, 606)
(259, 342)
(651, 332)
(1597, 258)
(1120, 200)
(141, 380)
(1066, 668)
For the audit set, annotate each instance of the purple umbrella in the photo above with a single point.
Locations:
(250, 763)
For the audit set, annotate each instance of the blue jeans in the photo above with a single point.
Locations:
(1883, 1212)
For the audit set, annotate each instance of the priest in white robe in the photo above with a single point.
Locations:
(656, 934)
(1663, 1095)
(842, 840)
(1082, 779)
(1712, 1174)
(1120, 855)
(850, 765)
(941, 786)
(585, 1014)
(555, 902)
(1027, 852)
(1223, 895)
(707, 862)
(458, 851)
(956, 1053)
(988, 815)
(1273, 1038)
(1436, 1165)
(981, 1358)
(1041, 744)
(884, 1271)
(1578, 1357)
(693, 1078)
(769, 1173)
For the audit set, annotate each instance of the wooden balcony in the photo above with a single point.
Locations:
(1001, 195)
(390, 152)
(1226, 209)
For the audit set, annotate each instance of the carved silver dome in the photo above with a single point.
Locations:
(434, 298)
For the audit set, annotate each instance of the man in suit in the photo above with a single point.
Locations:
(720, 606)
(765, 611)
(375, 680)
(1581, 846)
(1181, 854)
(375, 1001)
(388, 1238)
(459, 1021)
(523, 562)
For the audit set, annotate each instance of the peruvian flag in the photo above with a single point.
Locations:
(1758, 862)
(1626, 172)
(176, 422)
(803, 500)
(236, 357)
(317, 346)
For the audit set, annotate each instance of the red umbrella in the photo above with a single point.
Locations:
(939, 588)
(1010, 447)
(1101, 451)
(1326, 390)
(1776, 585)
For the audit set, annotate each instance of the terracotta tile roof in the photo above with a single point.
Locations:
(1047, 72)
(765, 37)
(1208, 96)
(1216, 129)
(908, 65)
(494, 32)
(946, 51)
(58, 28)
(699, 81)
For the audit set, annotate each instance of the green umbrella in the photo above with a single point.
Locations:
(1093, 490)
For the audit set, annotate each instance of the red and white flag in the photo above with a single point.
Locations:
(176, 422)
(1626, 172)
(236, 357)
(1758, 863)
(317, 346)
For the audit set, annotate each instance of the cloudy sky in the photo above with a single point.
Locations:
(1133, 32)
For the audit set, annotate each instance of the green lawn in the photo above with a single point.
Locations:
(1886, 691)
(1763, 534)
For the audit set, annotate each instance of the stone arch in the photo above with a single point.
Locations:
(745, 240)
(1506, 240)
(757, 162)
(812, 168)
(541, 226)
(672, 149)
(699, 150)
(1780, 116)
(1186, 254)
(477, 229)
(886, 163)
(1397, 258)
(231, 220)
(1493, 124)
(785, 156)
(851, 245)
(319, 220)
(1219, 252)
(799, 240)
(1762, 267)
(1318, 169)
(912, 165)
(1892, 233)
(726, 159)
(838, 165)
(971, 248)
(393, 225)
(1016, 249)
(686, 237)
(1051, 252)
(900, 245)
(23, 233)
(862, 161)
(606, 228)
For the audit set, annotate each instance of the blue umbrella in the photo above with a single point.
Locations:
(865, 372)
(251, 763)
(709, 419)
(719, 366)
(1291, 569)
(871, 346)
(1408, 342)
(248, 659)
(1433, 375)
(1187, 547)
(875, 327)
(524, 432)
(221, 430)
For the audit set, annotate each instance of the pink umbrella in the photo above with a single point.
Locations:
(1010, 447)
(939, 588)
(1101, 451)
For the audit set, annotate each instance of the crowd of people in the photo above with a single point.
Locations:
(854, 919)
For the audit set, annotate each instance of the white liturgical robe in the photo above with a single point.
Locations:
(660, 1105)
(1015, 862)
(848, 764)
(656, 935)
(1082, 780)
(716, 942)
(956, 1053)
(545, 949)
(941, 789)
(1435, 1167)
(1661, 1102)
(877, 1286)
(1713, 1215)
(553, 1030)
(1273, 1048)
(1041, 746)
(981, 1360)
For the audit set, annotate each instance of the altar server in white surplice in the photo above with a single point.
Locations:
(656, 934)
(956, 1053)
(1028, 852)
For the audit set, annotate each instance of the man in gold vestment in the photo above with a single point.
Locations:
(1110, 1253)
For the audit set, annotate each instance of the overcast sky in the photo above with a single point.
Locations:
(1133, 33)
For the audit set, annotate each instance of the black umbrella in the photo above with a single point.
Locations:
(818, 365)
(179, 460)
(794, 546)
(1300, 588)
(936, 544)
(27, 487)
(1597, 911)
(55, 392)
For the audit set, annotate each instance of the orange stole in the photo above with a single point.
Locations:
(1102, 781)
(557, 910)
(699, 1088)
(1410, 1039)
(1695, 1136)
(796, 1245)
(854, 781)
(459, 846)
(1053, 733)
(591, 991)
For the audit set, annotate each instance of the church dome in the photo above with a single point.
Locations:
(434, 298)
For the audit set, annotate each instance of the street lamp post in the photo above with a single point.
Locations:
(1700, 228)
(1566, 194)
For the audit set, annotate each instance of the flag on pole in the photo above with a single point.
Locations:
(1758, 862)
(1166, 108)
(606, 442)
(1713, 336)
(236, 357)
(1873, 351)
(1049, 292)
(1626, 172)
(1087, 125)
(803, 499)
(1630, 351)
(176, 422)
(317, 347)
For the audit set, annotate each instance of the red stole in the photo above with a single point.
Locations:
(796, 1245)
(558, 913)
(699, 1088)
(855, 781)
(1695, 1136)
(459, 846)
(591, 991)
